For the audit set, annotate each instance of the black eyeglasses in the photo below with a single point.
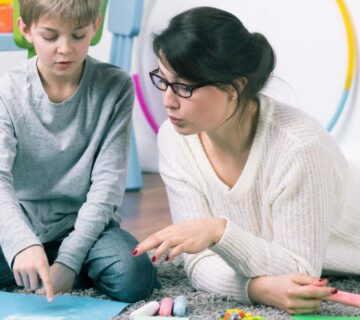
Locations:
(181, 89)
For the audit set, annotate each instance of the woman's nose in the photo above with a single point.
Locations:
(170, 99)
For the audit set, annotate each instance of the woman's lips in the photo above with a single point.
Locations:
(175, 121)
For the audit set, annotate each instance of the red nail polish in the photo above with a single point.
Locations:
(333, 291)
(167, 258)
(134, 252)
(153, 259)
(322, 279)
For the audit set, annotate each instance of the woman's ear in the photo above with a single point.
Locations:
(24, 30)
(242, 83)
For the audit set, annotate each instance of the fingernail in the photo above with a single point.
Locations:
(134, 252)
(153, 259)
(167, 258)
(333, 291)
(322, 279)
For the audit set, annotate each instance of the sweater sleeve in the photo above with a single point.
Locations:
(303, 197)
(15, 231)
(107, 184)
(206, 270)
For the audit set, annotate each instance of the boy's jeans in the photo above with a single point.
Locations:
(109, 266)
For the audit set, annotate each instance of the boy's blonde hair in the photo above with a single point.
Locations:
(76, 12)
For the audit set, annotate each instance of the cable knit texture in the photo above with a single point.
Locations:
(294, 208)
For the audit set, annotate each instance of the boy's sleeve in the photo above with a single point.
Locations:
(15, 232)
(107, 184)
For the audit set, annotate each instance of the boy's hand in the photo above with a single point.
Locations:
(191, 236)
(294, 293)
(62, 278)
(30, 265)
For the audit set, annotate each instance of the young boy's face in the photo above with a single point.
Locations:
(61, 47)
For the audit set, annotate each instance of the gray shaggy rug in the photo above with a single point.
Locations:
(203, 305)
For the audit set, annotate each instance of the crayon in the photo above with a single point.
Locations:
(148, 309)
(179, 308)
(350, 299)
(158, 318)
(166, 305)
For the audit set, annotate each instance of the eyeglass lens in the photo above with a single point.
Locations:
(180, 89)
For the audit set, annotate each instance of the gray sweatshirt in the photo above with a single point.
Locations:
(62, 165)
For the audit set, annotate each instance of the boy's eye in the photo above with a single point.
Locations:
(78, 37)
(50, 38)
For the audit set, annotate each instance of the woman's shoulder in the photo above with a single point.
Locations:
(294, 124)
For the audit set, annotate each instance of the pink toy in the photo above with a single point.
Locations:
(351, 299)
(166, 307)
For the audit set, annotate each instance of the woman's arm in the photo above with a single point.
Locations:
(293, 293)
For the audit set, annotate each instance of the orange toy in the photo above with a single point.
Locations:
(6, 16)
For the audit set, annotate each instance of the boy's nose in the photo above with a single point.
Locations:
(64, 46)
(170, 99)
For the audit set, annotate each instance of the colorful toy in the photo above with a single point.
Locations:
(180, 305)
(148, 309)
(158, 318)
(238, 314)
(350, 35)
(350, 299)
(166, 305)
(6, 16)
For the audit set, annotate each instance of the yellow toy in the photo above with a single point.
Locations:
(238, 314)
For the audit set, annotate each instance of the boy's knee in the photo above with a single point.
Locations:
(129, 281)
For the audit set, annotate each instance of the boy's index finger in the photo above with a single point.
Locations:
(46, 281)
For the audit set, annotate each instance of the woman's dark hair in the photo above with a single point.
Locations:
(209, 44)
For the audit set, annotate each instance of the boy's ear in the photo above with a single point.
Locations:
(97, 24)
(25, 31)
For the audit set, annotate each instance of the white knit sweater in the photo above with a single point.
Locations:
(295, 207)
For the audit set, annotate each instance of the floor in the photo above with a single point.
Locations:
(147, 210)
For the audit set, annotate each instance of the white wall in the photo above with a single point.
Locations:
(310, 42)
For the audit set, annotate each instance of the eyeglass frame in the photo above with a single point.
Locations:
(191, 87)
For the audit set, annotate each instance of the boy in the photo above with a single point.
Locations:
(64, 141)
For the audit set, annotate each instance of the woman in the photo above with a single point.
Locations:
(262, 199)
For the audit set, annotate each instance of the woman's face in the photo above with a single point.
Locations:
(205, 111)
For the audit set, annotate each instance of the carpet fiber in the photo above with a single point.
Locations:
(203, 305)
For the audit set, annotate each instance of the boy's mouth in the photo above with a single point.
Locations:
(63, 64)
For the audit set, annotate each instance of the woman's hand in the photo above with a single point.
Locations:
(30, 266)
(294, 293)
(62, 278)
(191, 236)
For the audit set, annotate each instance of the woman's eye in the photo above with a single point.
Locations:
(184, 88)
